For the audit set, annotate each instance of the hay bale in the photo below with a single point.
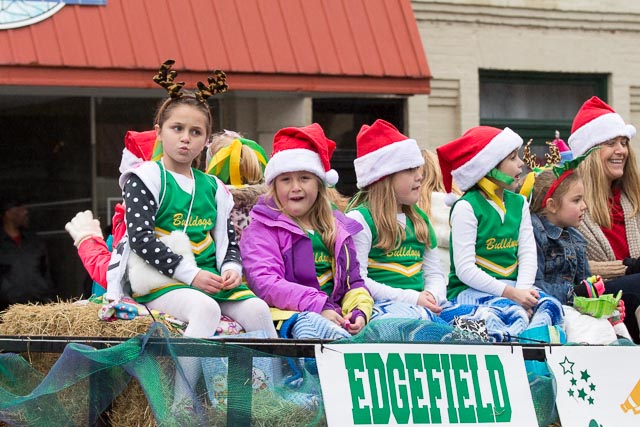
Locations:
(76, 319)
(80, 319)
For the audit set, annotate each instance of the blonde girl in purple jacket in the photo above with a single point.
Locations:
(298, 252)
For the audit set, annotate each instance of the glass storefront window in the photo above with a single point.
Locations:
(341, 119)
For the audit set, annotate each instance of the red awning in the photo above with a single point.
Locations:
(355, 46)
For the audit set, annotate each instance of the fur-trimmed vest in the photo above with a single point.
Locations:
(602, 260)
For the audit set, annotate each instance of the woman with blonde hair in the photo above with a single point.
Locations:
(612, 194)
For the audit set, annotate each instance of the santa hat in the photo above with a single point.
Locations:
(383, 150)
(138, 147)
(595, 123)
(472, 156)
(302, 149)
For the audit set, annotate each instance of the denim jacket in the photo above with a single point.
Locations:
(562, 260)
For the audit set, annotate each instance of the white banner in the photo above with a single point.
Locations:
(424, 384)
(597, 386)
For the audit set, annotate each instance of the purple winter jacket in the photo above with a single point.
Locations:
(277, 256)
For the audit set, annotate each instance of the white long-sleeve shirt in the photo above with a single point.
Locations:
(464, 226)
(434, 280)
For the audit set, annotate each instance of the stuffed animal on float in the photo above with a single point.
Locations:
(144, 278)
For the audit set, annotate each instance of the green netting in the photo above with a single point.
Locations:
(85, 383)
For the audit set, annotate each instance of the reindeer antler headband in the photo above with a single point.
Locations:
(166, 78)
(560, 170)
(552, 157)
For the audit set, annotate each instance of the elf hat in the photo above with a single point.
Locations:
(381, 151)
(472, 156)
(302, 149)
(595, 123)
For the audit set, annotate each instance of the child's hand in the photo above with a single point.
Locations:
(208, 282)
(426, 299)
(231, 279)
(527, 298)
(353, 327)
(334, 317)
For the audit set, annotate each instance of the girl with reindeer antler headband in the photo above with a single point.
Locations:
(167, 203)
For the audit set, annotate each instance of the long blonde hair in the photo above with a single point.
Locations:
(381, 201)
(597, 190)
(321, 216)
(432, 181)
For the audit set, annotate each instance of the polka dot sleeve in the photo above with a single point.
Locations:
(233, 252)
(140, 216)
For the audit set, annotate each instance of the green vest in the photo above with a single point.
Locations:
(402, 267)
(323, 263)
(172, 215)
(496, 242)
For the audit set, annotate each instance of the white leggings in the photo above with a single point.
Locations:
(203, 312)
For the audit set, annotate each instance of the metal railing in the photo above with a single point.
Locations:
(239, 392)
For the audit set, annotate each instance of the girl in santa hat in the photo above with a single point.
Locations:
(493, 250)
(396, 248)
(298, 252)
(612, 192)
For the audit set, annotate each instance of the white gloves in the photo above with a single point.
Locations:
(83, 226)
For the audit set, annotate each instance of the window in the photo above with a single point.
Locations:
(342, 118)
(535, 105)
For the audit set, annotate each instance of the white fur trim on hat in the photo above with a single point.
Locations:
(467, 175)
(597, 131)
(386, 160)
(294, 160)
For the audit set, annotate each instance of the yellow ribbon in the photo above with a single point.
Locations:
(232, 152)
(234, 162)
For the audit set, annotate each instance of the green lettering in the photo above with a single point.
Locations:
(459, 364)
(431, 364)
(398, 393)
(380, 410)
(354, 362)
(485, 413)
(446, 370)
(501, 394)
(413, 363)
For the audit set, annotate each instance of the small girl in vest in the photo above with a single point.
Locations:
(168, 196)
(493, 250)
(298, 252)
(557, 209)
(396, 248)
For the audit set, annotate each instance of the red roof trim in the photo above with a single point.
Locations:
(297, 45)
(50, 76)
